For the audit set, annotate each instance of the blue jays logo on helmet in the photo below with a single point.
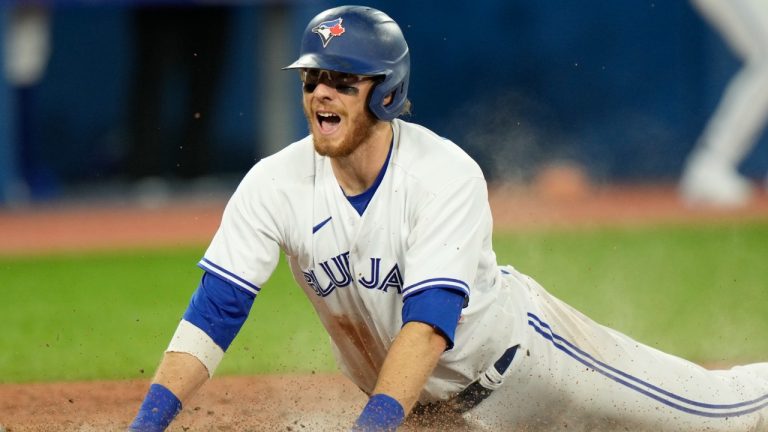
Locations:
(327, 30)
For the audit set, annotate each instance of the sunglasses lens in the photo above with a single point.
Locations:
(347, 79)
(338, 80)
(310, 76)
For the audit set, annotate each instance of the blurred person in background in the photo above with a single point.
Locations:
(710, 175)
(27, 50)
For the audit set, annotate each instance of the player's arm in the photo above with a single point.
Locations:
(410, 361)
(178, 377)
(430, 321)
(213, 318)
(181, 373)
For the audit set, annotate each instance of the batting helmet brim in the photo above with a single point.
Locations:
(337, 64)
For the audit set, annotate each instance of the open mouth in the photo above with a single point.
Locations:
(328, 122)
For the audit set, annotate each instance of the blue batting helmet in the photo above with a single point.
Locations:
(362, 41)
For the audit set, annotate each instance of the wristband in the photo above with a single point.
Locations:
(159, 408)
(382, 414)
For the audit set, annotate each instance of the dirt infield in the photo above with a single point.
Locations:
(264, 403)
(268, 403)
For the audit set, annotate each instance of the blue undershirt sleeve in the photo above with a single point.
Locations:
(219, 309)
(438, 307)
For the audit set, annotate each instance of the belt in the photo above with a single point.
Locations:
(473, 394)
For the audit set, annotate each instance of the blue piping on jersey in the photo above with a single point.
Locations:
(360, 202)
(456, 284)
(209, 266)
(665, 397)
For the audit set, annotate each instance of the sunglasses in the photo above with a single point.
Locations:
(343, 82)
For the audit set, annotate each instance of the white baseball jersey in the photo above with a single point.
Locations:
(428, 225)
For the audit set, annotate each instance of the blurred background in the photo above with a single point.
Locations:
(125, 126)
(103, 98)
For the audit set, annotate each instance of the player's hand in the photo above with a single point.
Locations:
(382, 413)
(159, 408)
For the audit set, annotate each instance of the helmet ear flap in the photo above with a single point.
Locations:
(394, 90)
(390, 98)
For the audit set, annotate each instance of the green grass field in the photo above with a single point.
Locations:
(699, 292)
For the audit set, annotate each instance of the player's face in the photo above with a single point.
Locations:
(335, 105)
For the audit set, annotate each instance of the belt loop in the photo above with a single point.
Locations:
(489, 381)
(494, 376)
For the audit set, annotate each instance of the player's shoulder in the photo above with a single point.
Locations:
(426, 155)
(293, 163)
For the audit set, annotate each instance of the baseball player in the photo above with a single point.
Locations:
(710, 175)
(387, 229)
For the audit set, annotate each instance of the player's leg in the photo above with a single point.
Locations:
(710, 175)
(573, 373)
